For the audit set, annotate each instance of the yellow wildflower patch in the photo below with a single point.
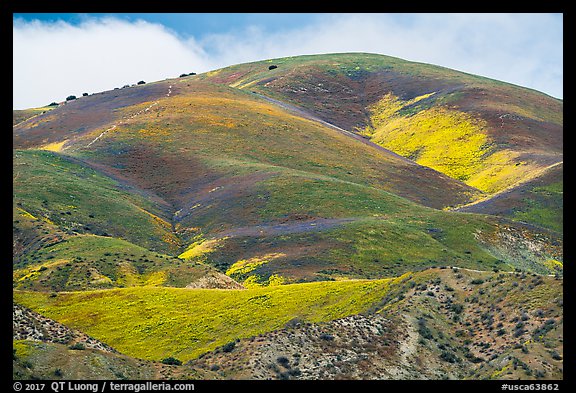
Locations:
(200, 247)
(245, 266)
(25, 213)
(447, 140)
(553, 264)
(55, 146)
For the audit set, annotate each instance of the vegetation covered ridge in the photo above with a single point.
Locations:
(155, 323)
(498, 133)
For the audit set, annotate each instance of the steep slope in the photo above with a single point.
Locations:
(246, 180)
(444, 323)
(437, 324)
(154, 323)
(22, 115)
(74, 228)
(35, 360)
(539, 200)
(46, 349)
(488, 134)
(81, 115)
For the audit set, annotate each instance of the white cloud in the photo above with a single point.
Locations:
(52, 61)
(525, 49)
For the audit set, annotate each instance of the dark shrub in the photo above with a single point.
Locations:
(84, 94)
(283, 361)
(78, 347)
(53, 104)
(424, 331)
(228, 347)
(293, 323)
(141, 83)
(449, 357)
(477, 281)
(470, 356)
(272, 67)
(555, 355)
(540, 374)
(183, 75)
(519, 332)
(327, 337)
(70, 98)
(172, 361)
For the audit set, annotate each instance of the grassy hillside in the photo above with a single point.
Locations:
(356, 231)
(170, 172)
(82, 115)
(155, 323)
(487, 133)
(68, 194)
(248, 207)
(539, 201)
(376, 247)
(21, 115)
(33, 360)
(438, 324)
(453, 142)
(85, 262)
(444, 323)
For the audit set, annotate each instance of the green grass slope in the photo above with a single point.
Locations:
(84, 262)
(21, 115)
(184, 216)
(33, 360)
(443, 323)
(539, 201)
(77, 229)
(77, 199)
(155, 323)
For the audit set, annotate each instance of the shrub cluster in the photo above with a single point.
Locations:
(172, 361)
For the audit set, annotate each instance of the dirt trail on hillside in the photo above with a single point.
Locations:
(308, 115)
(134, 115)
(313, 225)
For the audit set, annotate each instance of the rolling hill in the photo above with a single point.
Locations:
(491, 135)
(306, 191)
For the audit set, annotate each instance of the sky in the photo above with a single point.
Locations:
(57, 55)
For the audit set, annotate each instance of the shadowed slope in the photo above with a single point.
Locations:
(539, 201)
